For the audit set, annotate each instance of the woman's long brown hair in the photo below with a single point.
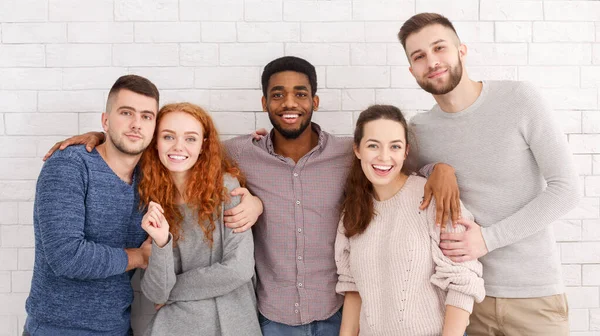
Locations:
(357, 207)
(204, 192)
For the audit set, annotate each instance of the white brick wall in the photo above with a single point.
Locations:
(59, 57)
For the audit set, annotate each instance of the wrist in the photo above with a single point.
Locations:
(160, 242)
(443, 166)
(134, 258)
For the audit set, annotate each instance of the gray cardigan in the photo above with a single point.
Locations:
(206, 291)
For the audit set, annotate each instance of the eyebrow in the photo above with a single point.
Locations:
(393, 141)
(189, 132)
(125, 107)
(433, 43)
(297, 88)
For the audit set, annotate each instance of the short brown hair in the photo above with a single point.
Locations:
(420, 21)
(134, 83)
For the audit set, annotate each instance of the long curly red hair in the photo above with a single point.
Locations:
(204, 191)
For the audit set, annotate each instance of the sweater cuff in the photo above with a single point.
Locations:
(343, 287)
(460, 300)
(490, 238)
(168, 246)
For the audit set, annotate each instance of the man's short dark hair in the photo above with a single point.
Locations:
(289, 63)
(420, 21)
(134, 83)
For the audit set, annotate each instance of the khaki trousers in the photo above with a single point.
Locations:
(547, 316)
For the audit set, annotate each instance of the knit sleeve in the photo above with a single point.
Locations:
(159, 277)
(462, 281)
(342, 260)
(60, 212)
(549, 147)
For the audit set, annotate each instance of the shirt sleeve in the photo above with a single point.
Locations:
(549, 147)
(342, 260)
(463, 282)
(60, 212)
(234, 270)
(159, 277)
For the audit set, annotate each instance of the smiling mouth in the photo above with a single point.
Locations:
(177, 158)
(382, 169)
(437, 74)
(133, 136)
(290, 118)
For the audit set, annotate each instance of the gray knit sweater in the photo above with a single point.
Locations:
(516, 175)
(207, 291)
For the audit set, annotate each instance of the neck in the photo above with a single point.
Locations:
(385, 192)
(463, 95)
(121, 164)
(180, 180)
(295, 149)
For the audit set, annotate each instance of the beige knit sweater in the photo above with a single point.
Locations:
(398, 269)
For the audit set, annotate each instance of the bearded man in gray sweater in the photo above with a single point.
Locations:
(514, 171)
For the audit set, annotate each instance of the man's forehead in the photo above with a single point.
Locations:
(429, 35)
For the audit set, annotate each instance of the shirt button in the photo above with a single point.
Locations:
(300, 284)
(299, 257)
(297, 202)
(295, 174)
(299, 230)
(296, 304)
(296, 311)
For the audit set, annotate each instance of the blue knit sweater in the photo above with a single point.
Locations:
(84, 218)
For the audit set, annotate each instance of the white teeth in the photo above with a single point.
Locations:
(178, 157)
(290, 116)
(382, 167)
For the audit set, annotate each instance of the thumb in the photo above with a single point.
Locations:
(467, 223)
(239, 192)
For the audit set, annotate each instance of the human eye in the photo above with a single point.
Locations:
(371, 145)
(125, 112)
(147, 116)
(302, 94)
(396, 147)
(168, 137)
(276, 95)
(190, 139)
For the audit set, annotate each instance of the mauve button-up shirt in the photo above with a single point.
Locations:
(294, 237)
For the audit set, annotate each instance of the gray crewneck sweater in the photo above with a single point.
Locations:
(207, 291)
(516, 175)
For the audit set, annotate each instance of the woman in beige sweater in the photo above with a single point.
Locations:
(395, 279)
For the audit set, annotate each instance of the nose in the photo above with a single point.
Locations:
(136, 122)
(384, 154)
(178, 144)
(433, 61)
(290, 101)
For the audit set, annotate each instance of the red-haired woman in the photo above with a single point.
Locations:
(394, 276)
(200, 271)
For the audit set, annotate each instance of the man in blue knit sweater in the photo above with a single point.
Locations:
(87, 223)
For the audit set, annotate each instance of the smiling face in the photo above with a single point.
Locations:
(130, 122)
(382, 151)
(290, 103)
(179, 142)
(435, 55)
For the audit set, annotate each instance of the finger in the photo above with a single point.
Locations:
(455, 210)
(460, 259)
(454, 253)
(446, 214)
(453, 236)
(156, 205)
(52, 150)
(239, 192)
(236, 210)
(426, 199)
(243, 228)
(439, 211)
(457, 205)
(451, 245)
(154, 221)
